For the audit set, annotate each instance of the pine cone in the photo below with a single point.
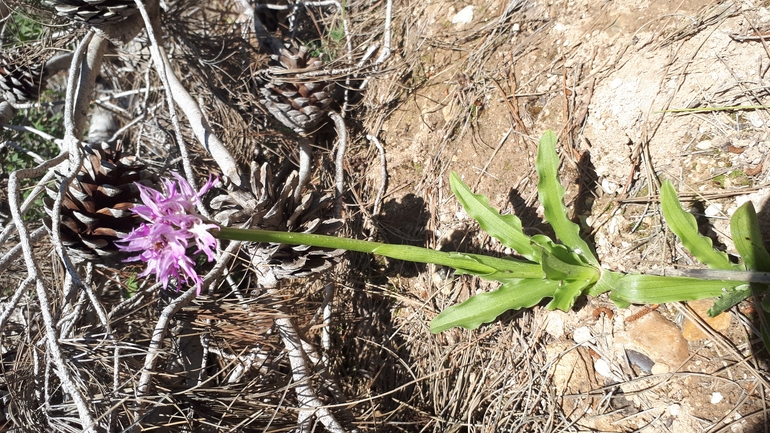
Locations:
(97, 206)
(276, 209)
(21, 75)
(94, 12)
(301, 104)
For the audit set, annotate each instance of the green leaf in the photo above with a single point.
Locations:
(729, 299)
(566, 293)
(505, 268)
(744, 228)
(685, 227)
(561, 251)
(485, 307)
(505, 228)
(765, 304)
(653, 289)
(551, 195)
(607, 281)
(556, 268)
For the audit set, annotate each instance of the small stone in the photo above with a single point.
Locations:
(755, 117)
(447, 112)
(713, 210)
(720, 323)
(716, 397)
(609, 186)
(582, 335)
(674, 409)
(640, 360)
(465, 16)
(554, 325)
(659, 339)
(603, 368)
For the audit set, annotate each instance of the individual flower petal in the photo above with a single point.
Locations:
(204, 239)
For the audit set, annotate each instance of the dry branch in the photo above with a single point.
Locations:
(34, 274)
(176, 91)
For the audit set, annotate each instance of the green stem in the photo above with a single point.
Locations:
(471, 263)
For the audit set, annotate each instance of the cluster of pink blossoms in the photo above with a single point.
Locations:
(172, 224)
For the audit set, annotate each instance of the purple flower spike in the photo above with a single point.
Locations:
(171, 226)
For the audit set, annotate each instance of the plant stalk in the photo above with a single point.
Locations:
(464, 262)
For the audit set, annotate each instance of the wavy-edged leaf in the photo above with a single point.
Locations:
(556, 268)
(653, 289)
(566, 293)
(744, 228)
(729, 299)
(485, 307)
(561, 251)
(685, 227)
(551, 195)
(505, 228)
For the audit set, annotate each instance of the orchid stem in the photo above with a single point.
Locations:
(471, 263)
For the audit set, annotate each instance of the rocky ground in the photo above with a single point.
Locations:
(475, 85)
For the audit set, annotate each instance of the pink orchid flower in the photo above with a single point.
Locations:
(171, 224)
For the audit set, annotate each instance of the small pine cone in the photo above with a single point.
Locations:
(21, 75)
(301, 104)
(276, 209)
(96, 209)
(94, 12)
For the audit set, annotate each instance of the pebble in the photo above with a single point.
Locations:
(704, 145)
(603, 368)
(660, 339)
(609, 186)
(582, 335)
(465, 16)
(714, 209)
(716, 397)
(720, 323)
(674, 409)
(640, 360)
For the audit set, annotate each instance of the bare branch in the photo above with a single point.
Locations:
(14, 252)
(34, 274)
(177, 92)
(305, 162)
(43, 135)
(85, 67)
(8, 230)
(35, 157)
(14, 301)
(383, 175)
(309, 403)
(339, 176)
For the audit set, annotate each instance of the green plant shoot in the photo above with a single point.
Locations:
(560, 272)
